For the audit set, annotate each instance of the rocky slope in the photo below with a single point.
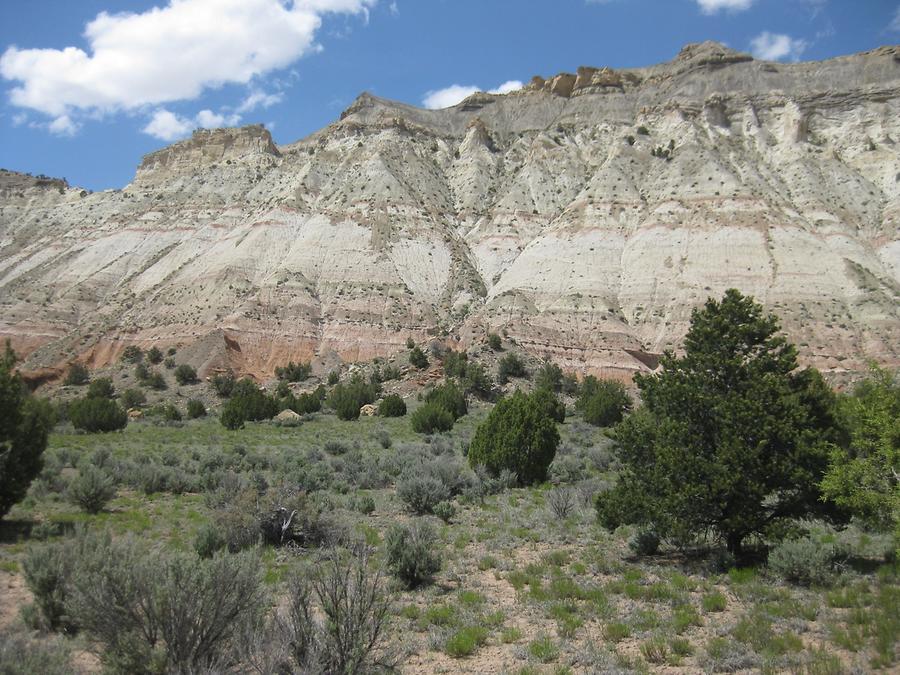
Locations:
(585, 215)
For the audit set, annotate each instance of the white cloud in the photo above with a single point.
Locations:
(210, 120)
(167, 54)
(774, 47)
(894, 26)
(450, 96)
(63, 126)
(713, 6)
(508, 86)
(259, 99)
(394, 9)
(167, 126)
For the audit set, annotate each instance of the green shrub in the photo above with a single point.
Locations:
(223, 384)
(170, 413)
(465, 641)
(171, 612)
(644, 542)
(156, 381)
(132, 354)
(804, 561)
(549, 377)
(154, 355)
(47, 569)
(185, 374)
(429, 418)
(421, 491)
(476, 380)
(355, 608)
(444, 510)
(20, 655)
(417, 358)
(24, 425)
(493, 341)
(102, 387)
(97, 414)
(231, 418)
(169, 363)
(551, 406)
(392, 405)
(455, 363)
(347, 398)
(91, 489)
(333, 378)
(247, 404)
(77, 375)
(411, 552)
(450, 398)
(294, 372)
(208, 541)
(302, 404)
(602, 402)
(195, 409)
(132, 398)
(516, 436)
(510, 366)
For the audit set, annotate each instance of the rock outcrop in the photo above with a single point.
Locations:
(585, 215)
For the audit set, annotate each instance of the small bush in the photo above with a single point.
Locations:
(562, 502)
(347, 399)
(465, 641)
(429, 418)
(417, 358)
(494, 342)
(170, 413)
(644, 542)
(602, 402)
(552, 406)
(208, 541)
(365, 504)
(516, 436)
(333, 378)
(356, 610)
(510, 366)
(185, 374)
(132, 354)
(91, 489)
(421, 491)
(97, 414)
(294, 372)
(47, 569)
(155, 381)
(169, 363)
(247, 404)
(132, 398)
(411, 552)
(20, 655)
(169, 609)
(223, 384)
(154, 355)
(804, 561)
(102, 387)
(450, 398)
(77, 375)
(549, 377)
(392, 405)
(444, 510)
(195, 409)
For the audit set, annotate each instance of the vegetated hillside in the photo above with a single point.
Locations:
(585, 215)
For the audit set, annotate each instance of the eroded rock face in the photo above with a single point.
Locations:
(551, 213)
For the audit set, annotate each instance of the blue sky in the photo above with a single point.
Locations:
(90, 86)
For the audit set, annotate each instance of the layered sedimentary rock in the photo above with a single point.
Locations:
(586, 215)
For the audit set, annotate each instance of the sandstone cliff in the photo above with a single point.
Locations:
(585, 215)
